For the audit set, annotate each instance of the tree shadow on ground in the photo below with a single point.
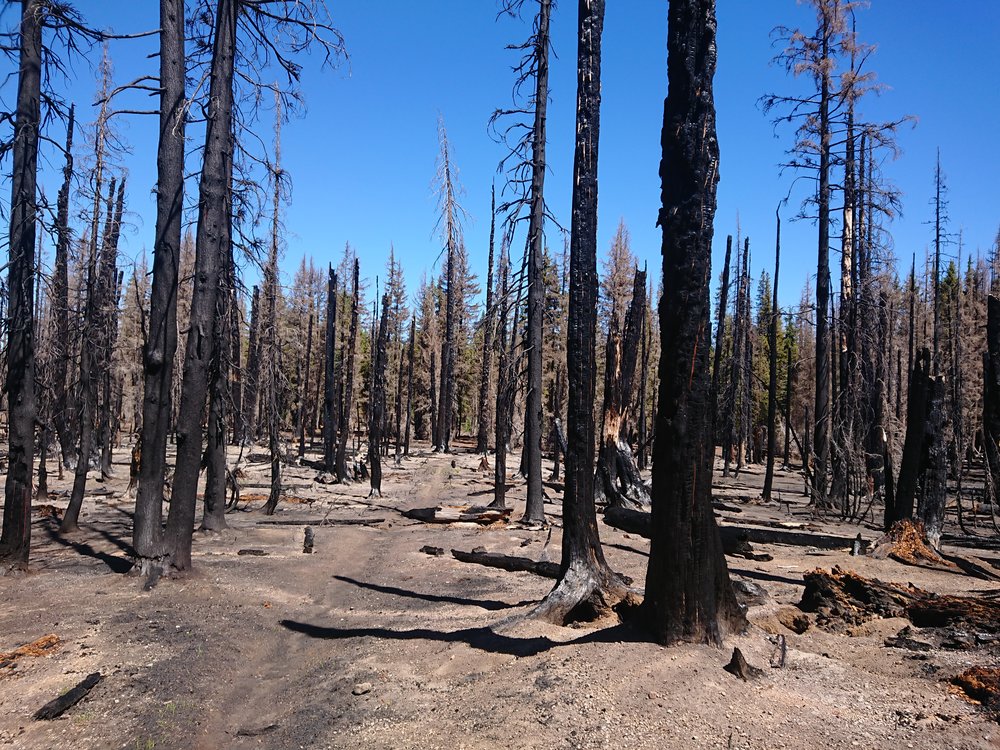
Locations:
(483, 639)
(761, 576)
(116, 563)
(489, 604)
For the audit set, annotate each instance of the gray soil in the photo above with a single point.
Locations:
(370, 643)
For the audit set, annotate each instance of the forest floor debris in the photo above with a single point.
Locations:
(265, 650)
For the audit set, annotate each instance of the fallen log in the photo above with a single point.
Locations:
(479, 556)
(58, 706)
(843, 599)
(736, 540)
(459, 513)
(320, 521)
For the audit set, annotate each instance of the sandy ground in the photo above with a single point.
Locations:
(369, 643)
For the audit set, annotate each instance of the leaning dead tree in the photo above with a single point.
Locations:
(689, 596)
(586, 587)
(619, 482)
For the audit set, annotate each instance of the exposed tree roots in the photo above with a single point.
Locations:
(585, 594)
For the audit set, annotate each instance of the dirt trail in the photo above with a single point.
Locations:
(369, 643)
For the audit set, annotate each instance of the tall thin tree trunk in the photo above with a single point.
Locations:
(211, 245)
(534, 512)
(304, 388)
(720, 330)
(60, 303)
(772, 383)
(342, 473)
(330, 412)
(161, 341)
(482, 435)
(409, 385)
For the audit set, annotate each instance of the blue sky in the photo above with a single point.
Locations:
(362, 155)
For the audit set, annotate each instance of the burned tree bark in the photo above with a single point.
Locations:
(342, 473)
(720, 329)
(913, 465)
(304, 387)
(501, 423)
(482, 435)
(376, 409)
(330, 416)
(15, 539)
(619, 481)
(689, 596)
(991, 400)
(409, 385)
(534, 511)
(586, 587)
(211, 246)
(253, 371)
(772, 384)
(60, 304)
(161, 340)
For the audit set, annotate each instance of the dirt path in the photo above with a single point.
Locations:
(369, 643)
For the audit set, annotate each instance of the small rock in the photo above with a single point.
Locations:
(362, 688)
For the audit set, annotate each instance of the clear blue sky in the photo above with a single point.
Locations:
(362, 157)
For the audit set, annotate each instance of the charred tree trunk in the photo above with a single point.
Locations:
(619, 482)
(211, 245)
(110, 299)
(304, 388)
(908, 482)
(342, 473)
(482, 435)
(772, 363)
(214, 515)
(252, 371)
(991, 400)
(330, 415)
(435, 431)
(534, 512)
(788, 409)
(376, 410)
(60, 304)
(161, 341)
(15, 540)
(930, 509)
(409, 385)
(586, 587)
(501, 424)
(86, 399)
(720, 330)
(643, 381)
(689, 596)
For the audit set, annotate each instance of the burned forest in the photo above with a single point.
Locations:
(420, 376)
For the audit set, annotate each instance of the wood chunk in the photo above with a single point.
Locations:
(739, 666)
(904, 640)
(982, 685)
(252, 552)
(934, 611)
(43, 646)
(843, 599)
(309, 541)
(58, 706)
(906, 542)
(435, 551)
(793, 619)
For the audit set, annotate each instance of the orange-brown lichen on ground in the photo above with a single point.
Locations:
(906, 542)
(43, 646)
(980, 685)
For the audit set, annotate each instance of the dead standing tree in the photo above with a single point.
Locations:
(689, 596)
(330, 416)
(619, 482)
(161, 341)
(526, 176)
(343, 475)
(449, 223)
(586, 587)
(376, 406)
(20, 383)
(482, 434)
